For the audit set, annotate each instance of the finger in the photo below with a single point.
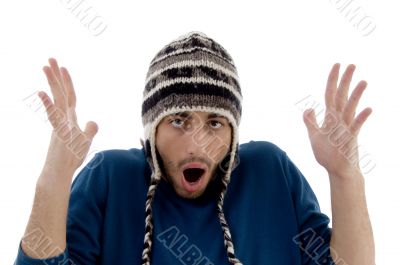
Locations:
(91, 129)
(56, 70)
(46, 100)
(343, 89)
(72, 115)
(310, 122)
(350, 108)
(51, 110)
(69, 87)
(331, 86)
(55, 88)
(57, 73)
(358, 122)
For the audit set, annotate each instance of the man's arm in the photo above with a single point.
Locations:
(352, 238)
(335, 147)
(45, 235)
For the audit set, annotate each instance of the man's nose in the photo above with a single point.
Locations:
(197, 138)
(192, 148)
(192, 145)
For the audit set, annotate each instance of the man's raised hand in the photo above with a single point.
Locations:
(335, 142)
(69, 145)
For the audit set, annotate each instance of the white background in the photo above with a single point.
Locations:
(283, 51)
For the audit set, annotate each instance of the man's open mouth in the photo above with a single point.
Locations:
(192, 175)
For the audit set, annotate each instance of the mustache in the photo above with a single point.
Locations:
(198, 159)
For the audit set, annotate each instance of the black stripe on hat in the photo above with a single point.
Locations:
(190, 88)
(192, 71)
(188, 51)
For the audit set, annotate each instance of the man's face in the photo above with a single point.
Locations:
(191, 145)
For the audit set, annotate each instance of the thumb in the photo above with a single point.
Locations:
(91, 129)
(310, 121)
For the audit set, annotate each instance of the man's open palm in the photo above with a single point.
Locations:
(69, 144)
(335, 142)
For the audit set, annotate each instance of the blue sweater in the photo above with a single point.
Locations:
(272, 212)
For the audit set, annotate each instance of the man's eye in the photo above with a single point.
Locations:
(215, 124)
(177, 122)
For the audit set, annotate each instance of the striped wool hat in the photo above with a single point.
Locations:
(192, 73)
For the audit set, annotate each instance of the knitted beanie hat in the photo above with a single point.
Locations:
(192, 73)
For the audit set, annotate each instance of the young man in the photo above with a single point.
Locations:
(192, 194)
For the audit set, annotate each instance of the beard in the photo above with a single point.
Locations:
(213, 186)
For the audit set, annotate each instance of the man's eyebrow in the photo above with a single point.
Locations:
(215, 115)
(186, 114)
